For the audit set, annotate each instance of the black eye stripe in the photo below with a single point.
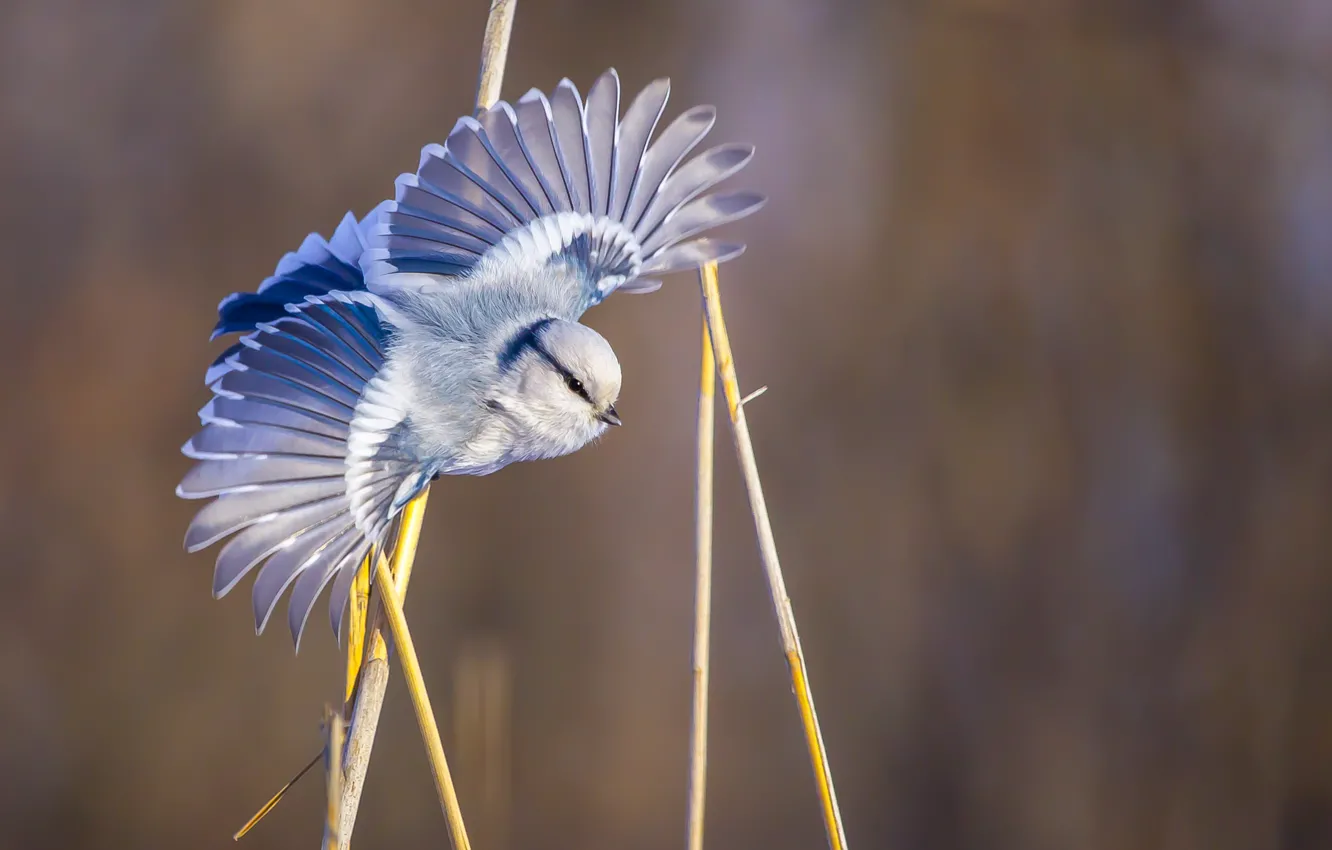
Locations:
(530, 338)
(576, 386)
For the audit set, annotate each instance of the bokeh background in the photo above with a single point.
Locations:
(1044, 299)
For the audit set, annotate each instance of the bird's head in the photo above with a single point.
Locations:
(561, 380)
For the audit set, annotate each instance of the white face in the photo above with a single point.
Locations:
(566, 381)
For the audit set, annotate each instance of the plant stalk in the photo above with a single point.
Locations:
(698, 743)
(795, 659)
(368, 684)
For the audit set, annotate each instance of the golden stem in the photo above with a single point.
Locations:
(336, 730)
(494, 52)
(698, 744)
(832, 817)
(275, 799)
(372, 681)
(411, 669)
(357, 619)
(367, 687)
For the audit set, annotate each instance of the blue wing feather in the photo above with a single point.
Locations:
(273, 452)
(301, 443)
(318, 267)
(563, 180)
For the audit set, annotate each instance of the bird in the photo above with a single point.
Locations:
(440, 333)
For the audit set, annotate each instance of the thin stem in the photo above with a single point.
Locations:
(368, 684)
(795, 659)
(494, 52)
(372, 685)
(373, 677)
(698, 744)
(425, 717)
(275, 799)
(336, 731)
(357, 620)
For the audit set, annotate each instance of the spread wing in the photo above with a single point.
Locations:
(318, 267)
(299, 453)
(560, 180)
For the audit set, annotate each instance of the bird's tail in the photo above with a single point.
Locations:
(272, 455)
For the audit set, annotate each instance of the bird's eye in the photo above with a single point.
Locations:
(576, 387)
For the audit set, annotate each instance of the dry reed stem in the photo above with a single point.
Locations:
(336, 729)
(372, 679)
(698, 740)
(275, 799)
(364, 724)
(425, 716)
(795, 659)
(357, 622)
(369, 684)
(494, 52)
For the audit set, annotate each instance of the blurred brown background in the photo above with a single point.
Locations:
(1044, 297)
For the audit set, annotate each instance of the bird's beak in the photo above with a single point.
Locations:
(610, 416)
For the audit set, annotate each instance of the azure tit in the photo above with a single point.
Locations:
(440, 334)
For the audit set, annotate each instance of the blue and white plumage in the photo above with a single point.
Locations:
(439, 335)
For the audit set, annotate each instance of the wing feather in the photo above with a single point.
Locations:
(561, 180)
